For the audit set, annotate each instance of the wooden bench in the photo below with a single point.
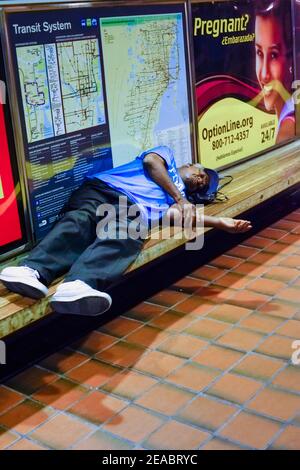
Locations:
(255, 181)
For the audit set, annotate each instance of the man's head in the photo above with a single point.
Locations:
(198, 179)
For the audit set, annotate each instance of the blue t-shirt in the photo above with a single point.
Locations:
(132, 180)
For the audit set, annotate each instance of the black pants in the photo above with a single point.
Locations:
(73, 245)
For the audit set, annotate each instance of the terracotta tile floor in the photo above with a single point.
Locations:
(204, 364)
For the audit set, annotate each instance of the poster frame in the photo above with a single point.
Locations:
(296, 66)
(297, 108)
(18, 246)
(12, 85)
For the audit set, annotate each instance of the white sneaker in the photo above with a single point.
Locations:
(23, 280)
(77, 297)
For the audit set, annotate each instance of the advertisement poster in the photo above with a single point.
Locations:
(94, 90)
(9, 216)
(244, 74)
(10, 223)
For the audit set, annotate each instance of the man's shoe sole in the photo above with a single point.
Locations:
(23, 289)
(87, 306)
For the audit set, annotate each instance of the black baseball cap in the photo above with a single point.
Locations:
(213, 181)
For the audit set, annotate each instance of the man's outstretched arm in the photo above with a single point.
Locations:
(227, 224)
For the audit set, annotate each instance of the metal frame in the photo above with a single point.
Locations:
(12, 85)
(23, 196)
(296, 66)
(65, 4)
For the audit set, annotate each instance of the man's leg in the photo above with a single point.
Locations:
(99, 266)
(69, 237)
(63, 245)
(104, 262)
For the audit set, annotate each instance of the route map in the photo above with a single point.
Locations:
(35, 92)
(81, 80)
(61, 87)
(146, 84)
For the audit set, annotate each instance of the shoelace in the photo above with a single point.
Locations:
(32, 271)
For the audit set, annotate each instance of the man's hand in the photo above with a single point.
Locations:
(185, 207)
(181, 211)
(234, 225)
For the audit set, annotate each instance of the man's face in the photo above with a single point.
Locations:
(194, 178)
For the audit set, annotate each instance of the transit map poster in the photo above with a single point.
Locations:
(96, 88)
(243, 52)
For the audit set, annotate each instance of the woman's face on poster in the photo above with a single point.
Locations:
(273, 68)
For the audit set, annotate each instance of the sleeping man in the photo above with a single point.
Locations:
(151, 183)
